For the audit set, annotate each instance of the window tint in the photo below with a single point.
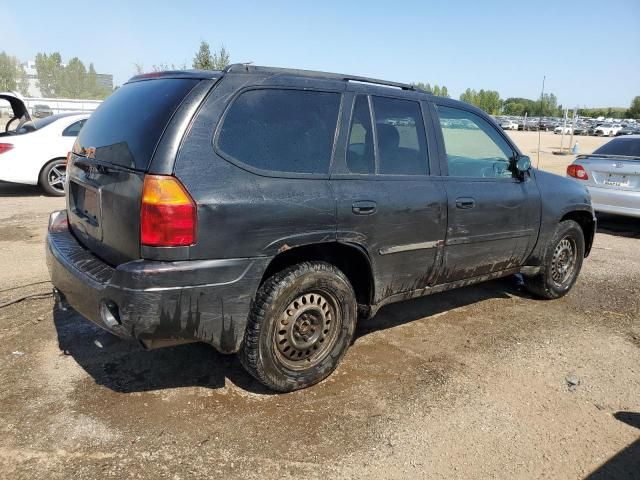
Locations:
(74, 129)
(360, 155)
(620, 146)
(282, 130)
(474, 147)
(402, 148)
(127, 126)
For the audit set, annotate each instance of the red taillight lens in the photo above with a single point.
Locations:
(577, 171)
(5, 147)
(168, 215)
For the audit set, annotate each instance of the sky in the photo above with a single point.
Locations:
(588, 50)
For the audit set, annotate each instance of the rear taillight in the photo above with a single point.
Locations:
(5, 147)
(577, 171)
(168, 214)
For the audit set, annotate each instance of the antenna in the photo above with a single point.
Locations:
(540, 118)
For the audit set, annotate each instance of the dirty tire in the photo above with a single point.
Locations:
(563, 261)
(300, 325)
(51, 176)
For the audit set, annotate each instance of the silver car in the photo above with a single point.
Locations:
(612, 175)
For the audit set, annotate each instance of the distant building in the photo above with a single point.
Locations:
(102, 79)
(105, 80)
(32, 74)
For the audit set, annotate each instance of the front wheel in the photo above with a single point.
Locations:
(563, 261)
(53, 177)
(301, 323)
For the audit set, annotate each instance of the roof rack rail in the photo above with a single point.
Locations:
(248, 68)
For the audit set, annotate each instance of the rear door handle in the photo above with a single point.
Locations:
(364, 207)
(465, 202)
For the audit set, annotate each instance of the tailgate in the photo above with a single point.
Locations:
(111, 155)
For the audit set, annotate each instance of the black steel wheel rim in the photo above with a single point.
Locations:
(563, 262)
(308, 329)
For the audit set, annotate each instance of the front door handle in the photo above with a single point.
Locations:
(465, 202)
(364, 207)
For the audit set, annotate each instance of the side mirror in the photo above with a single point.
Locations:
(523, 164)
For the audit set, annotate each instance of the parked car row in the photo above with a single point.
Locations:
(583, 126)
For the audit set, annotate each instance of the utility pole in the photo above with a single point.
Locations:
(564, 127)
(573, 126)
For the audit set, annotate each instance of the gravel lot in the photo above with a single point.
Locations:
(483, 382)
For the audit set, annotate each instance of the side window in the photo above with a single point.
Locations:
(474, 147)
(402, 144)
(281, 130)
(74, 129)
(360, 154)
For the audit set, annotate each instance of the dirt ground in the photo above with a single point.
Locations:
(483, 382)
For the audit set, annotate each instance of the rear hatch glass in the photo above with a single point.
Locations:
(127, 127)
(113, 151)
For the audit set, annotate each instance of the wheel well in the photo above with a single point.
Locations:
(350, 259)
(586, 222)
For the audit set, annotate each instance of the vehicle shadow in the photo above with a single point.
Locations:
(19, 190)
(126, 367)
(619, 225)
(396, 314)
(626, 463)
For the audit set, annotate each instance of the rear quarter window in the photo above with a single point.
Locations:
(281, 130)
(128, 125)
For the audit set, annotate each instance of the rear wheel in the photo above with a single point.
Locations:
(563, 261)
(53, 177)
(300, 326)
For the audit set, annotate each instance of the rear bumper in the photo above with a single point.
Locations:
(619, 202)
(197, 300)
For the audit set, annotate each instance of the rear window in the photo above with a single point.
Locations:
(126, 128)
(281, 130)
(629, 147)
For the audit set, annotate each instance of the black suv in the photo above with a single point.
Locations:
(263, 210)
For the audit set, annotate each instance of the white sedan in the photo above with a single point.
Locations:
(560, 130)
(608, 130)
(34, 152)
(509, 125)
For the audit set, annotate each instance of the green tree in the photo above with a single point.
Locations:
(487, 100)
(435, 90)
(74, 84)
(203, 59)
(469, 96)
(423, 86)
(548, 105)
(221, 59)
(634, 109)
(91, 83)
(9, 72)
(50, 73)
(164, 67)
